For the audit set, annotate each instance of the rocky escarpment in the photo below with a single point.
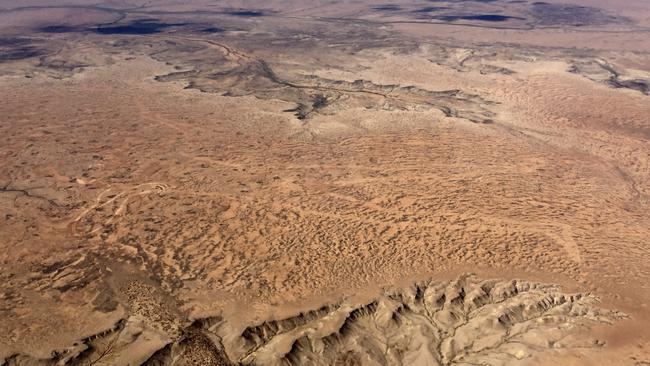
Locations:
(464, 321)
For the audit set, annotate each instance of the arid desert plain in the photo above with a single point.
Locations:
(325, 182)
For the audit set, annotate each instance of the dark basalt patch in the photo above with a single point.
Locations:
(14, 41)
(387, 7)
(20, 53)
(58, 29)
(320, 101)
(212, 30)
(142, 26)
(302, 110)
(430, 9)
(245, 13)
(480, 17)
(573, 15)
(636, 84)
(61, 65)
